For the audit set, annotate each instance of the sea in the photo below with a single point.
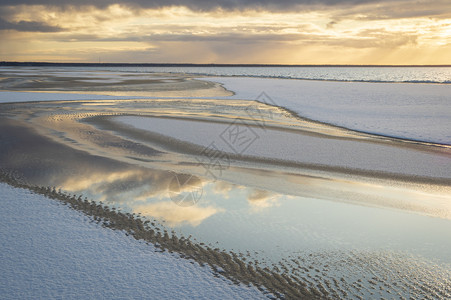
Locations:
(408, 74)
(360, 74)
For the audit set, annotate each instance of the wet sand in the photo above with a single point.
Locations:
(108, 83)
(338, 164)
(127, 154)
(51, 251)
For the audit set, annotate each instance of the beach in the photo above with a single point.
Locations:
(343, 198)
(50, 251)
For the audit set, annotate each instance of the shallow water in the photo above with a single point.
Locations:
(343, 230)
(366, 74)
(371, 224)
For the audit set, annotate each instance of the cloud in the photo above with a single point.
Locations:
(213, 5)
(231, 42)
(29, 26)
(331, 24)
(336, 32)
(197, 5)
(375, 38)
(400, 9)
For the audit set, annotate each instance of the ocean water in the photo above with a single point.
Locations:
(440, 75)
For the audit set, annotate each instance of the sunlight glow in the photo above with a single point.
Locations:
(363, 34)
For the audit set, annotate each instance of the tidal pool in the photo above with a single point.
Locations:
(355, 231)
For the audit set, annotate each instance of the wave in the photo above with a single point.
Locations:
(225, 72)
(372, 74)
(325, 79)
(303, 78)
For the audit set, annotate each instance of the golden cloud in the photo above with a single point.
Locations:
(391, 33)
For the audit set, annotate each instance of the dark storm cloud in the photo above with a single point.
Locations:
(374, 9)
(203, 5)
(398, 10)
(28, 26)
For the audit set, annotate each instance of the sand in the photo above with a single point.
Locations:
(409, 111)
(296, 194)
(50, 251)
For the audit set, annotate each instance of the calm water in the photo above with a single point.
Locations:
(366, 74)
(361, 74)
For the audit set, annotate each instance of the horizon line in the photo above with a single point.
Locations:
(166, 64)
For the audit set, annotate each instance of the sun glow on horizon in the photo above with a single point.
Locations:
(361, 34)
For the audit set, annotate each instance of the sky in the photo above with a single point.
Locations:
(375, 32)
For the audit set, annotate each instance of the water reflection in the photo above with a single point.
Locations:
(263, 199)
(280, 212)
(175, 215)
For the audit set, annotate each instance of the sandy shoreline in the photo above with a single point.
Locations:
(299, 148)
(87, 260)
(127, 153)
(97, 131)
(173, 133)
(417, 112)
(110, 84)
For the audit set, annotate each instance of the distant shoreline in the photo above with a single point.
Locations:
(55, 64)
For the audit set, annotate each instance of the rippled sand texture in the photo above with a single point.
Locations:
(349, 214)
